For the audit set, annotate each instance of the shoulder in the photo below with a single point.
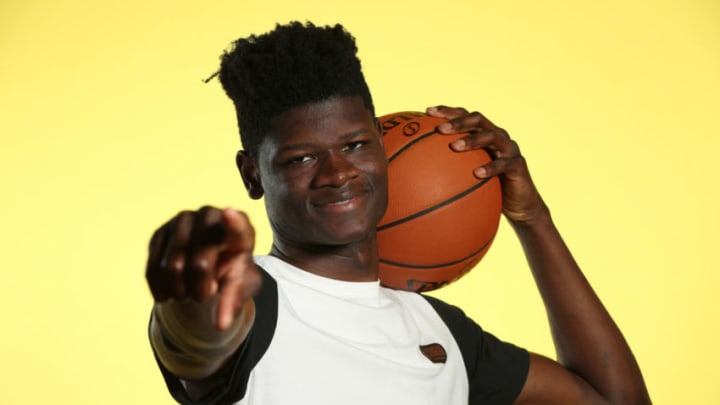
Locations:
(497, 370)
(449, 313)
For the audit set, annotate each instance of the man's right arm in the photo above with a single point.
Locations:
(202, 276)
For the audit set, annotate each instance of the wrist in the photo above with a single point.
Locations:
(536, 218)
(185, 339)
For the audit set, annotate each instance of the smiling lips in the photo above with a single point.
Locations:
(341, 201)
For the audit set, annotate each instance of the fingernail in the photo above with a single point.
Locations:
(431, 110)
(459, 144)
(481, 172)
(224, 322)
(445, 127)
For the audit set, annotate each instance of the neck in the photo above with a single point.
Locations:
(354, 262)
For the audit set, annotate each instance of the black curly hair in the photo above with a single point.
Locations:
(292, 65)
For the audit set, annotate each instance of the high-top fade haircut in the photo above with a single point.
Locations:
(292, 65)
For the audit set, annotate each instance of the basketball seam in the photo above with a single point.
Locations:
(407, 145)
(434, 207)
(434, 266)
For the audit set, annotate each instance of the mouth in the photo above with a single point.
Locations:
(339, 202)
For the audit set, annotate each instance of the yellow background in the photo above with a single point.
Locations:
(107, 130)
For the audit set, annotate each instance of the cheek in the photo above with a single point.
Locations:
(377, 172)
(277, 187)
(277, 196)
(378, 169)
(284, 198)
(373, 161)
(284, 214)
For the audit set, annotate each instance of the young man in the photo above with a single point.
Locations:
(309, 323)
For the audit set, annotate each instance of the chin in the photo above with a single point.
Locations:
(346, 235)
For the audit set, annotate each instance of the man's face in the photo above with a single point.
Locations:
(323, 171)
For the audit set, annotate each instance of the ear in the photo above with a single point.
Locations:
(250, 175)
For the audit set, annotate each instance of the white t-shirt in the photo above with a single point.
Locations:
(339, 342)
(317, 340)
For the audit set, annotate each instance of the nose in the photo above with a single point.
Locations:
(334, 170)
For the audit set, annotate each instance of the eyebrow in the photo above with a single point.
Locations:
(300, 146)
(353, 134)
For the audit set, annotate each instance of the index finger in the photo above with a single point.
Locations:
(460, 120)
(449, 113)
(239, 233)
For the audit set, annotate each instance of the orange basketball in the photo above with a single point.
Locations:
(441, 219)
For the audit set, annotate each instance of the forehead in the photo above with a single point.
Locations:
(319, 122)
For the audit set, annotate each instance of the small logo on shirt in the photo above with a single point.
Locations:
(435, 352)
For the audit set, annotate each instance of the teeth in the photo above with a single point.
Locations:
(340, 202)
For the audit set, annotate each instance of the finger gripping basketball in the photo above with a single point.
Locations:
(441, 219)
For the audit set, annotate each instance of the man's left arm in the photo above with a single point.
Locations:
(595, 364)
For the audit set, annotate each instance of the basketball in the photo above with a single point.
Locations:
(441, 219)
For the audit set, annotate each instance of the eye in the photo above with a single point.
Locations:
(298, 160)
(354, 145)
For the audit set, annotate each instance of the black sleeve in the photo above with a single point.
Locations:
(496, 370)
(234, 375)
